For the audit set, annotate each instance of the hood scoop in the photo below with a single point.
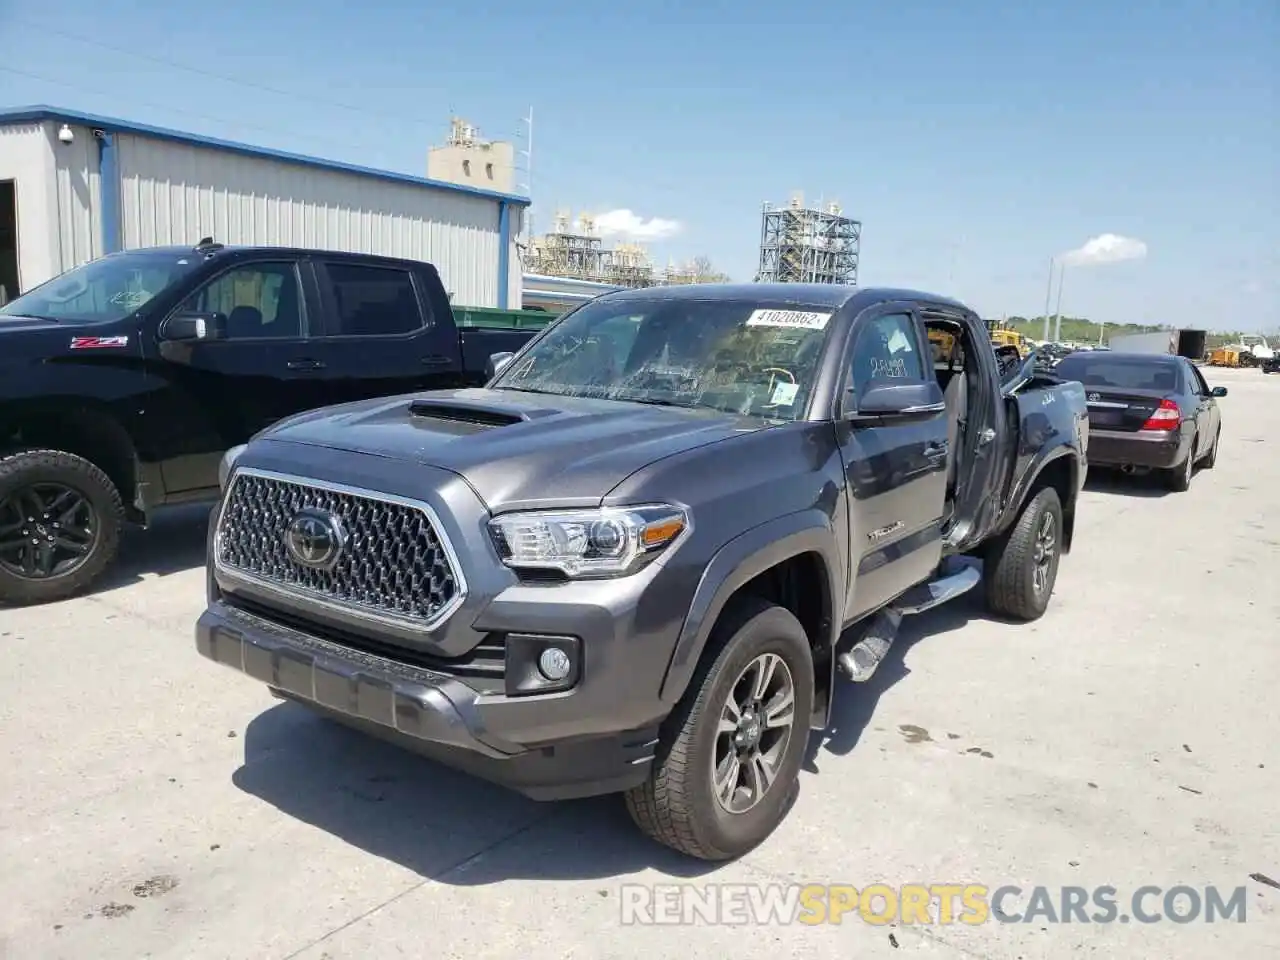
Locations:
(460, 411)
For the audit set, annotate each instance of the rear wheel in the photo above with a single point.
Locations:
(1211, 458)
(1021, 567)
(60, 519)
(730, 754)
(1179, 478)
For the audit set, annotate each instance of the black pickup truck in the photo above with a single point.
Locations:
(637, 560)
(123, 381)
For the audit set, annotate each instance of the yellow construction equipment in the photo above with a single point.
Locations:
(1226, 356)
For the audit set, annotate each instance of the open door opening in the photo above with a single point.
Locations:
(8, 242)
(970, 414)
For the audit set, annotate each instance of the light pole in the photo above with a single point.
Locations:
(528, 173)
(1048, 295)
(1057, 310)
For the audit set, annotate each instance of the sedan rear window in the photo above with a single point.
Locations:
(1122, 372)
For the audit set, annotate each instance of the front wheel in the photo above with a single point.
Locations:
(1021, 567)
(729, 756)
(60, 519)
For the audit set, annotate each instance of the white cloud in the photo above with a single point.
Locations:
(629, 226)
(1105, 248)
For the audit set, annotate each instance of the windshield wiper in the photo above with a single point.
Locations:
(550, 393)
(653, 401)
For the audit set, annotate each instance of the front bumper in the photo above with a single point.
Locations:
(464, 692)
(1153, 449)
(426, 711)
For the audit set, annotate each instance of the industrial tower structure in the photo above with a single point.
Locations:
(803, 245)
(576, 251)
(469, 160)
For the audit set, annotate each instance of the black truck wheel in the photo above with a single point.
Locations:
(1021, 567)
(60, 519)
(730, 753)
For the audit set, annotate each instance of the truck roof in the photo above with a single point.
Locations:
(814, 294)
(235, 250)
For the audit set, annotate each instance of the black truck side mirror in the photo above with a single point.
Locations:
(887, 400)
(193, 327)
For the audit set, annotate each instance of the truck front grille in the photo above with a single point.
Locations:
(390, 561)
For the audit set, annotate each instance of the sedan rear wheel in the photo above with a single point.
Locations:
(1179, 478)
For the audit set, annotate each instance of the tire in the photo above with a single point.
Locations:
(678, 805)
(1179, 478)
(46, 470)
(1009, 568)
(1211, 458)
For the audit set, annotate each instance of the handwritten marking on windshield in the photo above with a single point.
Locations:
(130, 299)
(891, 369)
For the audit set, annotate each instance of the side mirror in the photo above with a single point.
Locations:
(497, 363)
(1218, 392)
(887, 400)
(192, 327)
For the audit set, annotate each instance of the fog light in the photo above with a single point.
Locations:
(554, 664)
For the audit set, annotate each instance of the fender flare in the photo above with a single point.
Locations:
(737, 562)
(1033, 473)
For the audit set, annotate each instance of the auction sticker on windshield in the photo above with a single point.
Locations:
(793, 319)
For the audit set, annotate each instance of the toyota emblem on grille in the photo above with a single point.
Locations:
(1094, 396)
(315, 539)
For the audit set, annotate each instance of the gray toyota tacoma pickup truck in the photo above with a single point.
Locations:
(639, 558)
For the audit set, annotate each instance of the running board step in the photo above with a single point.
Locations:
(859, 663)
(934, 593)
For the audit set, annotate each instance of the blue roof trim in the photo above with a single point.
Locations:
(40, 113)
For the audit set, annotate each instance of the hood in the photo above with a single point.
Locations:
(30, 338)
(516, 449)
(25, 338)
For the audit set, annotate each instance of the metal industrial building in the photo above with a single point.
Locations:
(75, 186)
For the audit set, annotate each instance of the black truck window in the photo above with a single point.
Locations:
(258, 300)
(373, 301)
(887, 348)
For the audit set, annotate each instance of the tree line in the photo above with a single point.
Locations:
(1083, 330)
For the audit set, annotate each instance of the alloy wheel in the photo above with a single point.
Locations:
(1046, 548)
(755, 728)
(46, 530)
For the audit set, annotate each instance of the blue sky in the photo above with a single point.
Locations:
(973, 144)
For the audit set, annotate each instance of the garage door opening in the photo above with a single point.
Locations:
(8, 241)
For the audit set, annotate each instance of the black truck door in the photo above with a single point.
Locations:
(381, 335)
(222, 391)
(896, 467)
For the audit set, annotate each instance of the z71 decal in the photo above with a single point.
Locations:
(98, 343)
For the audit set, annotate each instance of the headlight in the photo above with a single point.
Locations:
(606, 542)
(228, 462)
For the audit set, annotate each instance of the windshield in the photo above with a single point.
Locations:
(102, 290)
(1100, 370)
(741, 356)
